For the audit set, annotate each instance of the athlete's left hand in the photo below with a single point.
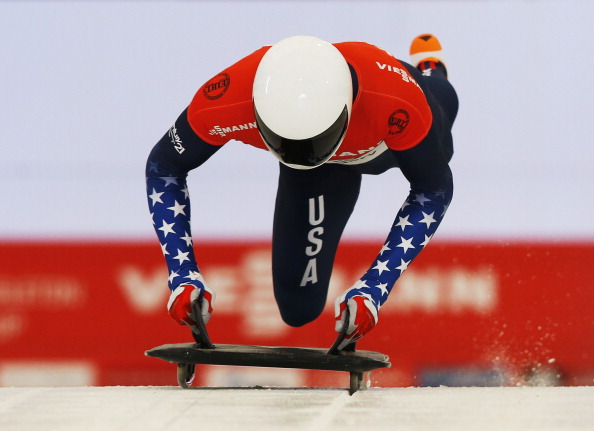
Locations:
(363, 314)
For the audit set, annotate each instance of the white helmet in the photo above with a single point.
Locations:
(303, 92)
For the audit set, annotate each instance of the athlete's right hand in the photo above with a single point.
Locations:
(182, 297)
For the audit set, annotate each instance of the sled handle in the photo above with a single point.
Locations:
(199, 331)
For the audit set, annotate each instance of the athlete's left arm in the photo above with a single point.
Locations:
(425, 166)
(431, 188)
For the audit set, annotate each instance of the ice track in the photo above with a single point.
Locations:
(171, 408)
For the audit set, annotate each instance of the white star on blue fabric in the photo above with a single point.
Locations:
(172, 275)
(167, 228)
(406, 244)
(182, 256)
(156, 197)
(177, 209)
(187, 238)
(427, 239)
(403, 222)
(383, 287)
(381, 266)
(403, 265)
(428, 219)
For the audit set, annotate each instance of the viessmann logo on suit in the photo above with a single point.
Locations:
(224, 130)
(397, 70)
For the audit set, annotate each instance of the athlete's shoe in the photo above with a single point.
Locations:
(426, 53)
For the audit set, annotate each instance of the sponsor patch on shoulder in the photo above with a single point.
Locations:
(217, 86)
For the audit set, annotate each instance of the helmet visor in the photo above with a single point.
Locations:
(309, 152)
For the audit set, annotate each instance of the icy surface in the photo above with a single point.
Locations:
(172, 408)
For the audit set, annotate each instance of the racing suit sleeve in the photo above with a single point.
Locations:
(177, 152)
(426, 168)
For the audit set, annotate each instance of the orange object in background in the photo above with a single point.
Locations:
(465, 313)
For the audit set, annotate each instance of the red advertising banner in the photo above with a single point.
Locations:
(83, 313)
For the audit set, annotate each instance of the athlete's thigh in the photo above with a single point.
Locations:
(312, 209)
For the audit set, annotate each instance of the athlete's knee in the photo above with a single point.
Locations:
(298, 310)
(298, 317)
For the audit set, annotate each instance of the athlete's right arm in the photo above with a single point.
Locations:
(177, 152)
